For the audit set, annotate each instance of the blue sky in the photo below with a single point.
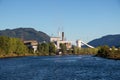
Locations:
(79, 19)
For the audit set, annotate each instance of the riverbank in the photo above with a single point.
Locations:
(112, 58)
(12, 55)
(110, 53)
(115, 56)
(35, 54)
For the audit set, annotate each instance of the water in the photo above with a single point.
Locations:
(59, 68)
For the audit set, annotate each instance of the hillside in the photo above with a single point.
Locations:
(110, 40)
(26, 34)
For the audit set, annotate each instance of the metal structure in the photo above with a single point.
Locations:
(80, 43)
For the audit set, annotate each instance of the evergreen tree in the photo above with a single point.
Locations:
(63, 48)
(43, 49)
(104, 51)
(52, 49)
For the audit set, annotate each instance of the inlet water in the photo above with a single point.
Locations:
(59, 68)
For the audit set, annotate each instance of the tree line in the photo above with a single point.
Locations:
(107, 52)
(10, 47)
(50, 49)
(101, 51)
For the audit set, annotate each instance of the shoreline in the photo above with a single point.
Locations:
(27, 55)
(16, 56)
(111, 58)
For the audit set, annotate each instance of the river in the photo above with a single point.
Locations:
(82, 67)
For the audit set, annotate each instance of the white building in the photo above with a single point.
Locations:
(57, 41)
(32, 44)
(79, 43)
(53, 39)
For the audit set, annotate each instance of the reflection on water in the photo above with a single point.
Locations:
(59, 68)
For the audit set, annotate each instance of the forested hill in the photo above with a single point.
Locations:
(110, 40)
(26, 34)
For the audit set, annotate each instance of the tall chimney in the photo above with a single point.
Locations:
(62, 36)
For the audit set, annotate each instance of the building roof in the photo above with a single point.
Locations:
(31, 42)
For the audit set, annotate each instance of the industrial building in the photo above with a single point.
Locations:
(32, 44)
(60, 40)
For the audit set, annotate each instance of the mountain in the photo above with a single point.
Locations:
(26, 34)
(110, 40)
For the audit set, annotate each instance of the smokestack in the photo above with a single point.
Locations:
(62, 36)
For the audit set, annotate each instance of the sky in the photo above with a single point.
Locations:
(79, 19)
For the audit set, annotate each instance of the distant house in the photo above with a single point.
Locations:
(31, 44)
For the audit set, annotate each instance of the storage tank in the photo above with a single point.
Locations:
(78, 42)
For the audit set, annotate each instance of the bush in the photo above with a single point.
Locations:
(104, 51)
